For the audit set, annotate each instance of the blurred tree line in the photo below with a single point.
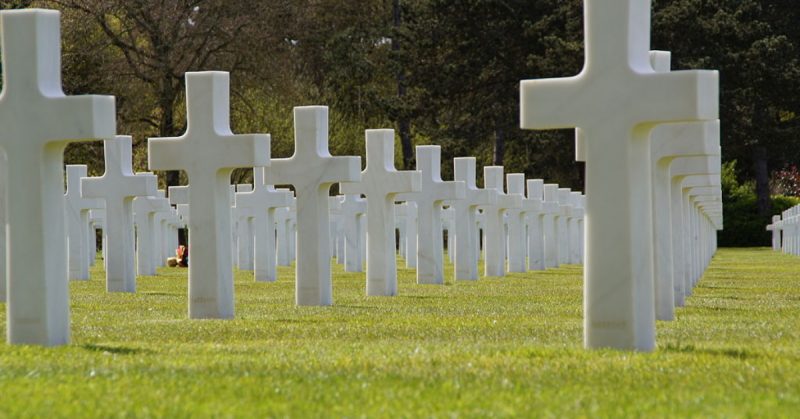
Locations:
(438, 71)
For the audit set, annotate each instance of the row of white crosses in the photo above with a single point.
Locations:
(616, 103)
(512, 214)
(785, 230)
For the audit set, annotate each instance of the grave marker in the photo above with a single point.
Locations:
(148, 238)
(263, 201)
(312, 170)
(77, 223)
(380, 183)
(209, 152)
(38, 122)
(494, 230)
(466, 226)
(429, 200)
(615, 101)
(117, 188)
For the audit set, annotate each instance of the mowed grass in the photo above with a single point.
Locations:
(497, 347)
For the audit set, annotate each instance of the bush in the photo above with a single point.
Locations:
(744, 227)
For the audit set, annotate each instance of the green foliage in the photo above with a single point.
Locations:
(496, 347)
(743, 225)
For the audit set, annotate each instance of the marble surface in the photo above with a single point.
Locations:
(668, 142)
(244, 231)
(680, 169)
(534, 222)
(148, 231)
(117, 187)
(312, 170)
(78, 247)
(38, 122)
(615, 101)
(208, 152)
(517, 237)
(380, 183)
(465, 231)
(433, 192)
(494, 230)
(262, 201)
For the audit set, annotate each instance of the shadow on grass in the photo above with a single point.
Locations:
(162, 294)
(736, 353)
(121, 350)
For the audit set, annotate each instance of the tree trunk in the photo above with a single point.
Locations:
(762, 180)
(403, 123)
(499, 146)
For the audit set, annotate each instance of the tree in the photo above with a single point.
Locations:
(140, 50)
(754, 46)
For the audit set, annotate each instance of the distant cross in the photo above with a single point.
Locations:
(78, 223)
(550, 225)
(145, 209)
(668, 142)
(494, 230)
(515, 182)
(262, 202)
(680, 169)
(410, 218)
(117, 188)
(565, 214)
(615, 101)
(353, 209)
(38, 121)
(430, 245)
(535, 222)
(209, 152)
(244, 231)
(576, 229)
(466, 227)
(380, 182)
(312, 170)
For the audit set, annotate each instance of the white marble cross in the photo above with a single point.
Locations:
(429, 199)
(380, 182)
(680, 169)
(517, 240)
(615, 101)
(283, 241)
(465, 234)
(550, 225)
(535, 223)
(244, 231)
(148, 238)
(353, 209)
(209, 152)
(562, 225)
(38, 121)
(312, 170)
(411, 216)
(117, 188)
(337, 228)
(668, 142)
(576, 229)
(494, 230)
(78, 222)
(262, 201)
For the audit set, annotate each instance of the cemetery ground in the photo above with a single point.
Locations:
(496, 347)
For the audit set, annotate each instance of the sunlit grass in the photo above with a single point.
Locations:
(496, 347)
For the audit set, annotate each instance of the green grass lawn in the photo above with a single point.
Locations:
(496, 347)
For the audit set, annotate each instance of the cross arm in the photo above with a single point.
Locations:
(549, 103)
(680, 95)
